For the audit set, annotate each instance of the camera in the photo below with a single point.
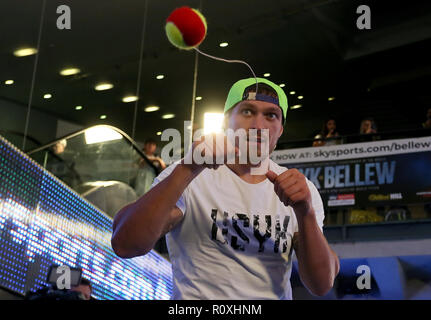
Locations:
(53, 292)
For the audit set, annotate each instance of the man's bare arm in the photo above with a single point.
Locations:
(317, 263)
(138, 226)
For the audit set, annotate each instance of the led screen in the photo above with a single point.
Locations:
(44, 222)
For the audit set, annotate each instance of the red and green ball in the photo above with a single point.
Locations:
(186, 28)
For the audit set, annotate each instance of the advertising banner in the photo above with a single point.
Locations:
(368, 173)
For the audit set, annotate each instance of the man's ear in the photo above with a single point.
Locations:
(281, 132)
(226, 119)
(225, 122)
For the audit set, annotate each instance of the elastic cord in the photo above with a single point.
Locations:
(230, 61)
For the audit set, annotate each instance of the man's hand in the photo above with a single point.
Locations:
(292, 189)
(370, 130)
(162, 164)
(318, 265)
(210, 151)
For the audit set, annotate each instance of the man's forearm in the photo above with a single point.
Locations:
(138, 226)
(318, 265)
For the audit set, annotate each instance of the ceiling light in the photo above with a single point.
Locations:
(331, 98)
(103, 116)
(24, 52)
(198, 98)
(297, 106)
(292, 92)
(103, 86)
(300, 97)
(266, 75)
(69, 71)
(223, 44)
(160, 77)
(101, 134)
(47, 96)
(8, 82)
(130, 98)
(168, 116)
(151, 108)
(159, 133)
(78, 108)
(282, 85)
(213, 122)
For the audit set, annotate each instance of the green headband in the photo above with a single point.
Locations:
(236, 94)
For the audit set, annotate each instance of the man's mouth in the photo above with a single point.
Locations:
(257, 139)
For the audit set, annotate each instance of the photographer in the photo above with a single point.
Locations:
(80, 292)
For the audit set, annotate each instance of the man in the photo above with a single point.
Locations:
(231, 232)
(368, 126)
(318, 141)
(150, 147)
(59, 147)
(80, 292)
(83, 290)
(146, 173)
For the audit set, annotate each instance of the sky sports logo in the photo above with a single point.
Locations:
(374, 149)
(352, 151)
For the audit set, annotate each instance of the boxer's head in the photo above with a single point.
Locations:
(244, 109)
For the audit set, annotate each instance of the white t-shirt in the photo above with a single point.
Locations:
(235, 240)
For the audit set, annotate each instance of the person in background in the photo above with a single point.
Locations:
(146, 173)
(427, 123)
(59, 147)
(80, 292)
(368, 126)
(368, 130)
(61, 162)
(318, 141)
(84, 289)
(329, 131)
(150, 147)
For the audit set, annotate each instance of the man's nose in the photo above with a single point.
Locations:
(258, 122)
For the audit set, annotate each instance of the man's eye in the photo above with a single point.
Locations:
(246, 112)
(272, 115)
